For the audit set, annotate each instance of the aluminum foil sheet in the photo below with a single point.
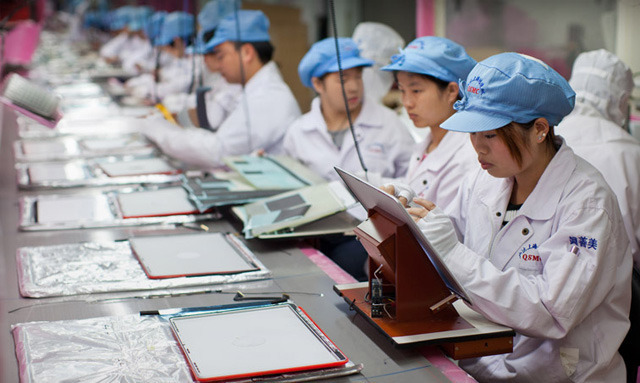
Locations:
(129, 348)
(93, 267)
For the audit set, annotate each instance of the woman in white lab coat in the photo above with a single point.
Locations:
(543, 249)
(321, 138)
(427, 72)
(594, 130)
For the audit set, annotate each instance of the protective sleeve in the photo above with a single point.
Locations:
(193, 146)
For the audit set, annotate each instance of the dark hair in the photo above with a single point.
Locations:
(441, 84)
(321, 78)
(208, 35)
(514, 135)
(188, 40)
(264, 49)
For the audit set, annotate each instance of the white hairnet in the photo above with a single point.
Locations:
(377, 42)
(603, 84)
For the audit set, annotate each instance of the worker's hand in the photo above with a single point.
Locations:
(388, 188)
(420, 208)
(148, 102)
(402, 192)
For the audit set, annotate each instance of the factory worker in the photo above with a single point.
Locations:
(542, 246)
(96, 27)
(138, 48)
(208, 19)
(157, 58)
(427, 73)
(377, 42)
(265, 109)
(321, 139)
(150, 68)
(221, 98)
(176, 74)
(118, 20)
(78, 13)
(594, 130)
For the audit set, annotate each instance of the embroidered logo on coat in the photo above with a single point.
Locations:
(376, 147)
(529, 253)
(582, 241)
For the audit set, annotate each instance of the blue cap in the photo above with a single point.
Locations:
(139, 17)
(510, 87)
(213, 11)
(322, 58)
(94, 19)
(208, 19)
(254, 27)
(119, 18)
(433, 56)
(176, 24)
(154, 25)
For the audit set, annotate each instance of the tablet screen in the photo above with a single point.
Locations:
(253, 341)
(372, 197)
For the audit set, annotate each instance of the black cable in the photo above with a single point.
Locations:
(242, 74)
(243, 77)
(344, 93)
(156, 76)
(194, 42)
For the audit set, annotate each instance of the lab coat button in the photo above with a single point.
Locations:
(424, 182)
(498, 214)
(525, 231)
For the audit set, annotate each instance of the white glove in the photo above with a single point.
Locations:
(439, 230)
(140, 92)
(155, 127)
(402, 190)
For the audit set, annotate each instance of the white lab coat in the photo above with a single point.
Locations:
(271, 108)
(137, 51)
(111, 49)
(570, 312)
(594, 131)
(175, 76)
(616, 154)
(438, 176)
(384, 142)
(221, 100)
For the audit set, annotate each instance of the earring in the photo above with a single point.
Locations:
(541, 137)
